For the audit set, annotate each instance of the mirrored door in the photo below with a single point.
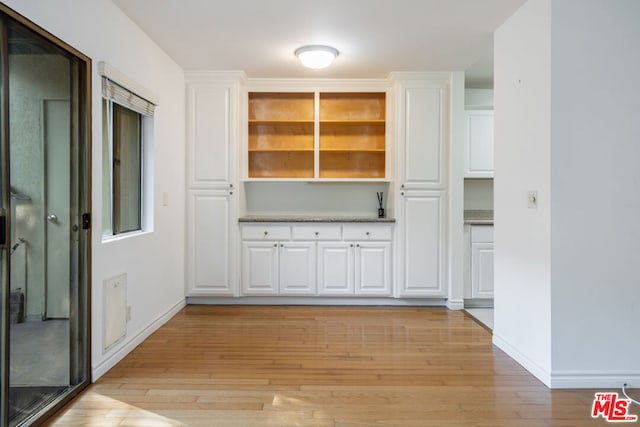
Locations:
(45, 195)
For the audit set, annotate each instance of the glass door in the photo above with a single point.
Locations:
(45, 197)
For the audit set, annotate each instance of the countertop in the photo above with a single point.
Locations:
(478, 217)
(307, 218)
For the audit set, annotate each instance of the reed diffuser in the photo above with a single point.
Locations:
(380, 209)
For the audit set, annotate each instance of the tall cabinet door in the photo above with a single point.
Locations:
(373, 268)
(210, 245)
(422, 247)
(211, 132)
(422, 134)
(298, 268)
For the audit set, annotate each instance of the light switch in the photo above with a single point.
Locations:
(532, 199)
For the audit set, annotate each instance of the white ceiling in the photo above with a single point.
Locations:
(374, 37)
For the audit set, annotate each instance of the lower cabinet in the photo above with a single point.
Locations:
(355, 269)
(279, 268)
(479, 258)
(349, 260)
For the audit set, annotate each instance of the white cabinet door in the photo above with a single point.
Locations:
(478, 154)
(260, 268)
(373, 268)
(210, 243)
(421, 253)
(482, 270)
(335, 268)
(422, 132)
(298, 268)
(211, 121)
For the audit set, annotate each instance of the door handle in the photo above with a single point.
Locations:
(52, 218)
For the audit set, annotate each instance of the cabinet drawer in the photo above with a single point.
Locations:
(367, 232)
(316, 232)
(482, 233)
(266, 232)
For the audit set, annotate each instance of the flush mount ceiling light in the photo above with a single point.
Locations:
(316, 56)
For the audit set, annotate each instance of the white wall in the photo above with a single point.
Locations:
(567, 294)
(595, 176)
(154, 262)
(522, 162)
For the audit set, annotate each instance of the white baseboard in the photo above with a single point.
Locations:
(129, 344)
(457, 304)
(281, 300)
(597, 380)
(535, 369)
(600, 380)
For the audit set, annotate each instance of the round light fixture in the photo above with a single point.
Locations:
(316, 56)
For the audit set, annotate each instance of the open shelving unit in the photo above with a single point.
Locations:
(317, 135)
(352, 135)
(281, 135)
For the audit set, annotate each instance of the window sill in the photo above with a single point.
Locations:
(125, 236)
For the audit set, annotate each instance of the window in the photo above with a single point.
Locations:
(127, 123)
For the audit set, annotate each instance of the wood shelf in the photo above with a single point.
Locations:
(255, 122)
(276, 150)
(352, 123)
(353, 150)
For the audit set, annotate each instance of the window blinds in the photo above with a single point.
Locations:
(120, 95)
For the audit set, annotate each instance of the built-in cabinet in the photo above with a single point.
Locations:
(422, 146)
(213, 112)
(350, 260)
(396, 130)
(478, 144)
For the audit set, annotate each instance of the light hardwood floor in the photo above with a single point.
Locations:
(322, 366)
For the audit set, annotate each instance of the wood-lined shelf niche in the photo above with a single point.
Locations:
(352, 135)
(350, 128)
(281, 135)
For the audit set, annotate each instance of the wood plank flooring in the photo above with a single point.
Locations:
(322, 366)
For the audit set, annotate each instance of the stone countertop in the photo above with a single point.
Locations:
(478, 217)
(307, 218)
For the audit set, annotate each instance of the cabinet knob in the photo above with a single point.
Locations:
(231, 192)
(275, 245)
(351, 245)
(358, 245)
(402, 193)
(281, 245)
(317, 233)
(230, 185)
(368, 233)
(402, 186)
